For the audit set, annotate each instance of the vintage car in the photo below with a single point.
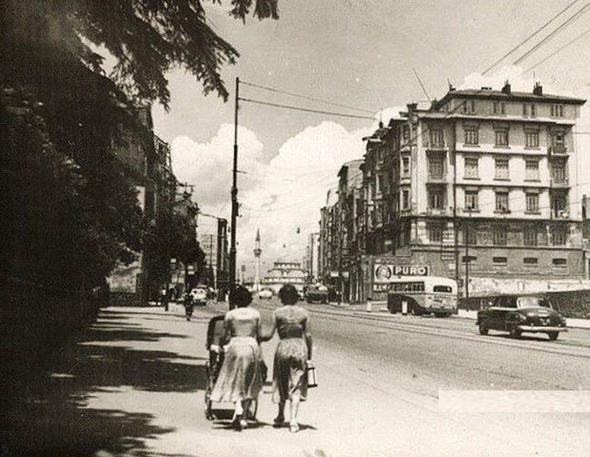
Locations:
(199, 295)
(316, 293)
(520, 313)
(265, 294)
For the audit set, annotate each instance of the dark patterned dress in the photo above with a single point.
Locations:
(240, 376)
(290, 362)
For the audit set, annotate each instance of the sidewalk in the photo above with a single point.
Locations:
(379, 307)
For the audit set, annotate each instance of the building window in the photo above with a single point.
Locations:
(532, 203)
(559, 262)
(437, 137)
(471, 168)
(405, 199)
(471, 199)
(502, 137)
(500, 237)
(472, 235)
(533, 110)
(558, 236)
(558, 206)
(502, 202)
(500, 260)
(435, 234)
(557, 110)
(499, 108)
(405, 167)
(530, 237)
(469, 107)
(406, 133)
(435, 199)
(502, 171)
(524, 109)
(532, 139)
(530, 261)
(531, 170)
(558, 172)
(471, 136)
(435, 167)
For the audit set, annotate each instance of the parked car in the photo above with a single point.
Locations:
(199, 295)
(316, 293)
(520, 313)
(265, 294)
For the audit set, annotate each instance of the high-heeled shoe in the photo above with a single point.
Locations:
(294, 427)
(239, 423)
(279, 420)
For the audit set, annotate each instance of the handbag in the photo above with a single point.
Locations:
(312, 380)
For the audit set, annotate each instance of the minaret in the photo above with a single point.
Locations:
(257, 252)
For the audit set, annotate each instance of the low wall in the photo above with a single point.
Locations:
(570, 303)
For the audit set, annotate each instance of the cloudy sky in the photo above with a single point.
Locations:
(359, 53)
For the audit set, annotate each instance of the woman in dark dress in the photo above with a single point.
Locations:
(293, 351)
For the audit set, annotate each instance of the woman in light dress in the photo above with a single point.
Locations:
(240, 379)
(293, 351)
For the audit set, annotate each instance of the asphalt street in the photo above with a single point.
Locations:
(133, 384)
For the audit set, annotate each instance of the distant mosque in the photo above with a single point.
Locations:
(284, 272)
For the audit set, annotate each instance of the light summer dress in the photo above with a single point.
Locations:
(290, 362)
(239, 377)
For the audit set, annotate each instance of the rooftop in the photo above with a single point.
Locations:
(507, 94)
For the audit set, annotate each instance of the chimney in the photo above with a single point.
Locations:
(506, 89)
(538, 89)
(412, 107)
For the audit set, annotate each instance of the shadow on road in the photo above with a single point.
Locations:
(45, 413)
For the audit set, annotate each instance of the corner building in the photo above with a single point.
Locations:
(484, 180)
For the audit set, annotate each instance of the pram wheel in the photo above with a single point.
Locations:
(250, 413)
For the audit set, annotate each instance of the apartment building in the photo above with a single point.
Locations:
(484, 180)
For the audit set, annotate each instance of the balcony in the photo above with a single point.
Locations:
(559, 183)
(560, 214)
(437, 212)
(437, 146)
(436, 178)
(557, 149)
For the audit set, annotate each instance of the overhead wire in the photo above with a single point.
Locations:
(549, 37)
(558, 50)
(293, 94)
(531, 36)
(308, 110)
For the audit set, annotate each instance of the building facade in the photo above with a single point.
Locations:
(480, 186)
(284, 272)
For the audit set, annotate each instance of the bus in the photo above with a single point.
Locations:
(422, 295)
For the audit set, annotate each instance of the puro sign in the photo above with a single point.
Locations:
(386, 273)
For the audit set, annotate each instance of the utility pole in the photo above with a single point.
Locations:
(234, 197)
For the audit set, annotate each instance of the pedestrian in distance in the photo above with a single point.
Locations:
(292, 355)
(240, 379)
(189, 306)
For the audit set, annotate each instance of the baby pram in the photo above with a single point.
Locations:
(215, 342)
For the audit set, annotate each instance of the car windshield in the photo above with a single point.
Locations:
(442, 289)
(532, 302)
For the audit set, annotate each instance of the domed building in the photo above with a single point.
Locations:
(284, 272)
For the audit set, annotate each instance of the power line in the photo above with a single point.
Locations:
(308, 110)
(581, 35)
(535, 33)
(305, 97)
(568, 22)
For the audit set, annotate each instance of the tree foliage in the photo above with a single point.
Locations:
(146, 37)
(71, 213)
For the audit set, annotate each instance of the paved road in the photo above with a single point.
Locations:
(133, 385)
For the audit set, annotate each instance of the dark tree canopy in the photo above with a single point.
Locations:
(147, 38)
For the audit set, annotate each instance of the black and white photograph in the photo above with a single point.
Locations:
(295, 228)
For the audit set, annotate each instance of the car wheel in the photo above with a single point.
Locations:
(514, 332)
(552, 335)
(483, 330)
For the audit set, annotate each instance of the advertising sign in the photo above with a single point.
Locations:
(384, 273)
